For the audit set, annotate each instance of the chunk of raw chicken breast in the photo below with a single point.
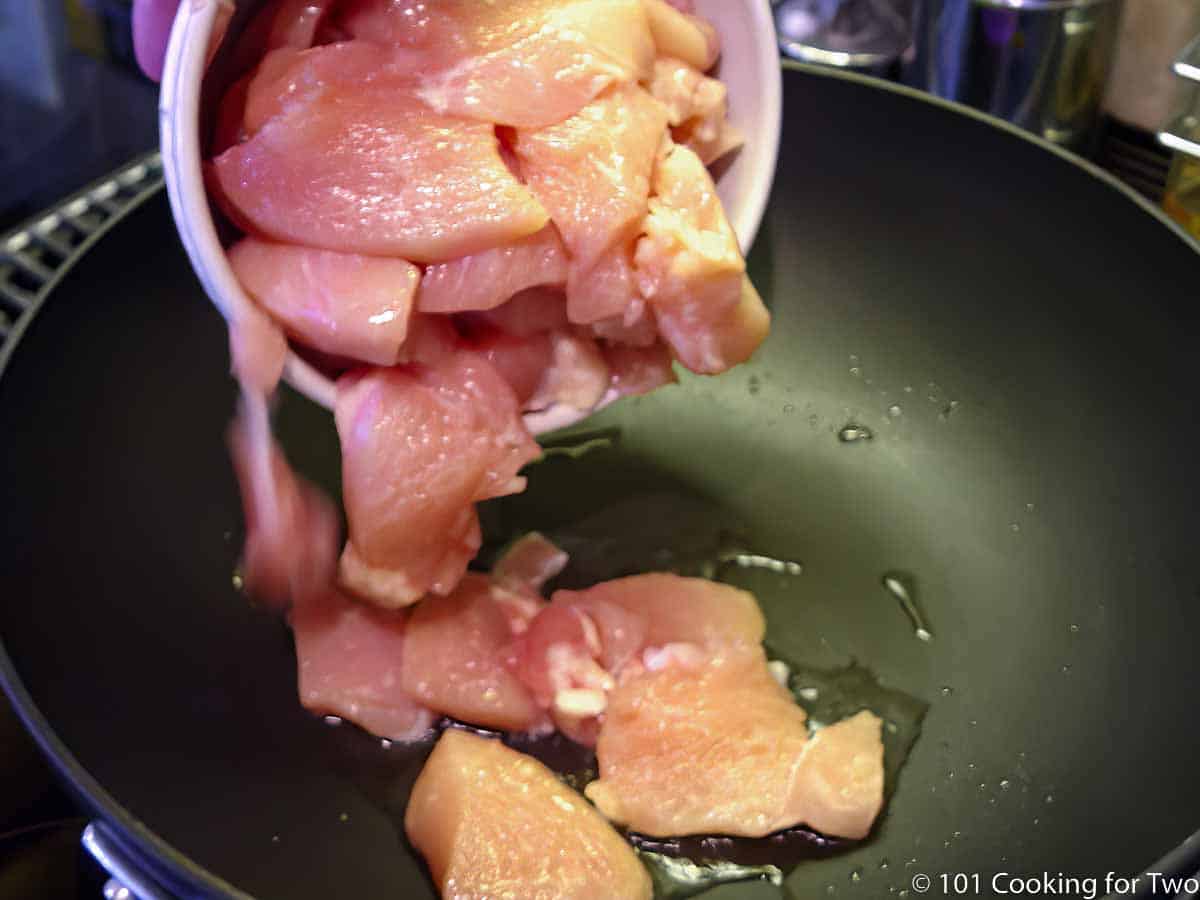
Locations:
(492, 822)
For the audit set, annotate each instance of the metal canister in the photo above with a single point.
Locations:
(1040, 64)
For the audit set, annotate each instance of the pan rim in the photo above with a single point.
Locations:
(985, 118)
(168, 863)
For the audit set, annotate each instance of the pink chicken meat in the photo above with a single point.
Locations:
(343, 304)
(421, 445)
(524, 63)
(375, 171)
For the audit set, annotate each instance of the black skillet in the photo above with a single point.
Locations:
(1018, 333)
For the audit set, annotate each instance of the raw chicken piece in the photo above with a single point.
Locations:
(360, 170)
(608, 290)
(431, 340)
(521, 361)
(638, 370)
(697, 108)
(678, 609)
(639, 331)
(454, 661)
(683, 35)
(577, 377)
(349, 659)
(724, 749)
(567, 656)
(228, 129)
(295, 22)
(529, 563)
(838, 786)
(348, 655)
(621, 631)
(487, 279)
(285, 23)
(573, 649)
(257, 353)
(420, 445)
(692, 272)
(534, 311)
(492, 822)
(526, 63)
(686, 92)
(292, 531)
(558, 652)
(518, 577)
(339, 303)
(290, 76)
(592, 172)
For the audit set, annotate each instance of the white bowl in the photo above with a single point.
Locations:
(749, 67)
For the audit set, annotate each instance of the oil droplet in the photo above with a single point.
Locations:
(1015, 527)
(983, 785)
(950, 775)
(274, 839)
(1049, 798)
(853, 357)
(934, 393)
(1066, 670)
(894, 410)
(948, 410)
(1074, 629)
(946, 845)
(789, 407)
(908, 389)
(1005, 784)
(1029, 507)
(883, 863)
(758, 561)
(238, 581)
(891, 727)
(1037, 821)
(904, 588)
(333, 720)
(971, 766)
(957, 835)
(903, 893)
(808, 693)
(973, 722)
(578, 446)
(855, 371)
(851, 433)
(385, 743)
(947, 690)
(856, 874)
(830, 889)
(344, 817)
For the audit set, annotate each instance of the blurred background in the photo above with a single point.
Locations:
(1112, 80)
(73, 105)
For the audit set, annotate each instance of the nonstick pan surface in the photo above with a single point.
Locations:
(1019, 336)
